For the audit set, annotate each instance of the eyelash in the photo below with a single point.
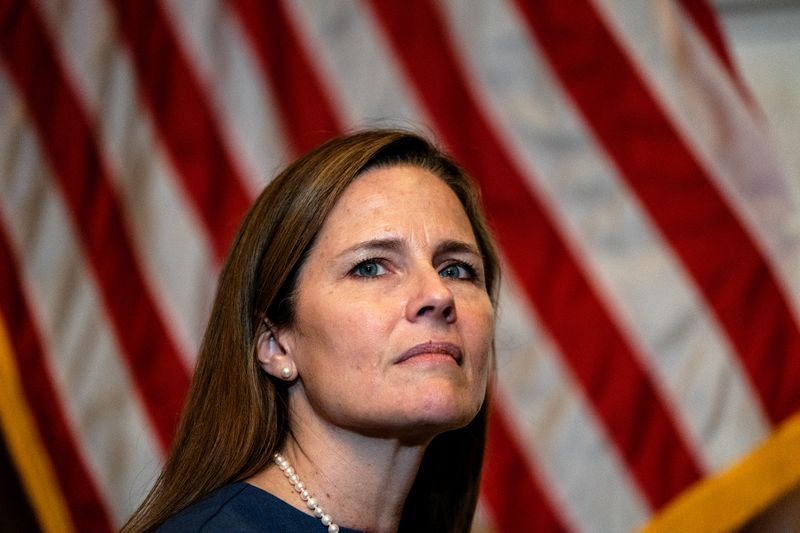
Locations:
(472, 271)
(372, 260)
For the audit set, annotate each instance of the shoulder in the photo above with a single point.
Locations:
(240, 507)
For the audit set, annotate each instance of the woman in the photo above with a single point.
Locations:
(345, 366)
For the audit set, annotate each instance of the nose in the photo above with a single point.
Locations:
(431, 299)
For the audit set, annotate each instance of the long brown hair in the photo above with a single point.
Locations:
(236, 415)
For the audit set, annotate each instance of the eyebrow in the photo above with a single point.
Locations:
(391, 245)
(456, 247)
(446, 247)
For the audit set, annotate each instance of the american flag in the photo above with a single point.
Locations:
(648, 340)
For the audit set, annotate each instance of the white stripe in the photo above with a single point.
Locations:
(577, 461)
(729, 140)
(356, 65)
(237, 87)
(101, 408)
(645, 287)
(172, 250)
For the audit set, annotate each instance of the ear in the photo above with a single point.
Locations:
(273, 357)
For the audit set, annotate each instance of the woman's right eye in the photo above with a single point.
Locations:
(369, 269)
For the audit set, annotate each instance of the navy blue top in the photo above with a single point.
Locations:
(241, 507)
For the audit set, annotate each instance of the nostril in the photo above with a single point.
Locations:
(426, 310)
(448, 312)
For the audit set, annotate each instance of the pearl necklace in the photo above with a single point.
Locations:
(301, 489)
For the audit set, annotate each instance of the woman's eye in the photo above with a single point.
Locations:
(369, 269)
(458, 271)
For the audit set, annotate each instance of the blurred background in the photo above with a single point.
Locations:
(638, 164)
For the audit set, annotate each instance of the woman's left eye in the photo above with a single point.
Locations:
(458, 271)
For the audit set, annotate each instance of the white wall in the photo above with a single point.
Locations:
(765, 38)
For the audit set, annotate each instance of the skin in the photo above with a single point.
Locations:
(396, 266)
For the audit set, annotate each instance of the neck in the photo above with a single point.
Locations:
(361, 481)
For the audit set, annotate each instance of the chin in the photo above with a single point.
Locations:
(441, 414)
(419, 423)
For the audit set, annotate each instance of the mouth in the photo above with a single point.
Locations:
(432, 349)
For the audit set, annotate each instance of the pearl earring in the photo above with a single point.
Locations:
(286, 372)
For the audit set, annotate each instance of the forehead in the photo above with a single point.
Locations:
(404, 200)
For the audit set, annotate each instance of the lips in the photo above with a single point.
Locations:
(444, 348)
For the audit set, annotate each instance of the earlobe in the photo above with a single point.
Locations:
(273, 358)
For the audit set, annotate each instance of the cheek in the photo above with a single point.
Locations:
(480, 333)
(336, 335)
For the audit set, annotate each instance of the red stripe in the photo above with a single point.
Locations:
(603, 362)
(517, 501)
(684, 203)
(75, 483)
(306, 113)
(185, 121)
(69, 144)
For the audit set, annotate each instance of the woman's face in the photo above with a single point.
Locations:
(393, 324)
